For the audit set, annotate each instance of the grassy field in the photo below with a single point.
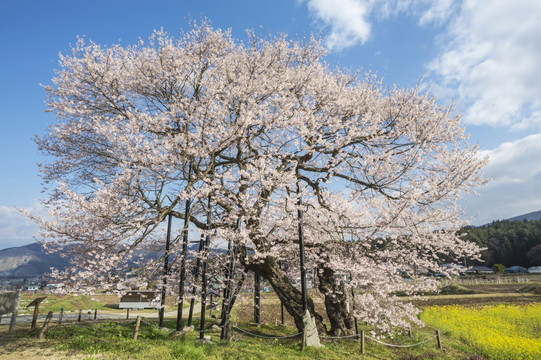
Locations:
(74, 303)
(113, 340)
(56, 302)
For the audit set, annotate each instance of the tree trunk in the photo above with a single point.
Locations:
(289, 295)
(336, 300)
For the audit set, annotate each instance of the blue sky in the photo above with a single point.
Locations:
(484, 57)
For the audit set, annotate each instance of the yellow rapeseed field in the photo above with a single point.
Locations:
(499, 332)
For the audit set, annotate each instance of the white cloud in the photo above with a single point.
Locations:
(515, 170)
(491, 62)
(518, 159)
(490, 53)
(350, 21)
(15, 228)
(437, 13)
(488, 64)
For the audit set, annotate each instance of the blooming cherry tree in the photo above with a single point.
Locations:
(235, 127)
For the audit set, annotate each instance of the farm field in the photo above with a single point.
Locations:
(113, 339)
(499, 332)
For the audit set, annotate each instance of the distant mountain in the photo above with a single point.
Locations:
(27, 261)
(516, 241)
(533, 216)
(33, 260)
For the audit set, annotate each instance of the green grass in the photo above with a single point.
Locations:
(56, 302)
(114, 340)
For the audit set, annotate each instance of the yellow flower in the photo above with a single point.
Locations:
(501, 332)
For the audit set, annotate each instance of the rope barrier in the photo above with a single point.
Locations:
(148, 323)
(423, 332)
(265, 336)
(400, 346)
(209, 330)
(195, 330)
(300, 333)
(338, 337)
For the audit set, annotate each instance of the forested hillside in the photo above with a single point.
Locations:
(509, 242)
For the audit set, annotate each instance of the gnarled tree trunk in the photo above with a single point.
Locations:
(336, 300)
(290, 296)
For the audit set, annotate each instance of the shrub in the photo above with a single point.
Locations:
(499, 268)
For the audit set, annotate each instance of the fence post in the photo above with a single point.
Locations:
(438, 338)
(137, 323)
(362, 342)
(80, 312)
(13, 320)
(45, 324)
(60, 316)
(15, 310)
(95, 313)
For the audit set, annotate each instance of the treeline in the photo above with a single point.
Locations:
(508, 242)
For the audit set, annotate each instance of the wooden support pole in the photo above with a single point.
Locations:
(281, 304)
(204, 265)
(182, 275)
(60, 316)
(45, 325)
(165, 271)
(95, 313)
(137, 323)
(35, 316)
(196, 277)
(438, 337)
(409, 332)
(80, 314)
(257, 299)
(229, 291)
(127, 313)
(303, 339)
(356, 327)
(362, 342)
(300, 227)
